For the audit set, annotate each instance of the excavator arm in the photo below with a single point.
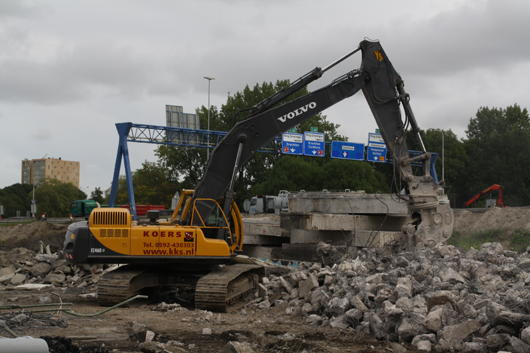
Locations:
(384, 91)
(494, 187)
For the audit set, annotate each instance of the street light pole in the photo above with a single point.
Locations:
(443, 157)
(33, 202)
(209, 80)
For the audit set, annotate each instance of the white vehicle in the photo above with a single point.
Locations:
(281, 204)
(262, 204)
(270, 204)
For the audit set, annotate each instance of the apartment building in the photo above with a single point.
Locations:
(36, 170)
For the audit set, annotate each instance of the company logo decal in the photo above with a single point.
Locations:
(297, 112)
(188, 236)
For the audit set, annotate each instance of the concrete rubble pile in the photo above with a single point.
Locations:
(30, 270)
(439, 300)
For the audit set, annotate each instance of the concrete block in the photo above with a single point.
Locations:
(261, 226)
(347, 203)
(362, 238)
(344, 222)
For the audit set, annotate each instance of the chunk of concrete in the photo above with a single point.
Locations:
(525, 335)
(433, 321)
(18, 279)
(305, 287)
(40, 269)
(455, 334)
(237, 347)
(358, 304)
(448, 275)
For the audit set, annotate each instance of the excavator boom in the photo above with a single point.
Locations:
(494, 187)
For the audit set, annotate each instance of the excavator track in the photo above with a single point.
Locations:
(220, 290)
(225, 289)
(126, 282)
(117, 286)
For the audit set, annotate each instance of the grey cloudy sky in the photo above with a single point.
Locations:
(71, 70)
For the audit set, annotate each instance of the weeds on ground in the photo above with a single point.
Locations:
(475, 240)
(519, 240)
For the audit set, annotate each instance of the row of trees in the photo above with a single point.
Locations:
(496, 150)
(53, 198)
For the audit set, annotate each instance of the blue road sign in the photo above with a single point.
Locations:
(347, 150)
(292, 143)
(376, 151)
(314, 144)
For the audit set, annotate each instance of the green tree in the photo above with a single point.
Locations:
(185, 164)
(154, 184)
(291, 173)
(54, 197)
(16, 197)
(97, 195)
(122, 195)
(340, 174)
(498, 147)
(296, 173)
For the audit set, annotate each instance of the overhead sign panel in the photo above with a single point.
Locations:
(292, 143)
(347, 150)
(314, 144)
(376, 151)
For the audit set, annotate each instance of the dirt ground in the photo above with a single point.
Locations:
(30, 235)
(507, 219)
(264, 330)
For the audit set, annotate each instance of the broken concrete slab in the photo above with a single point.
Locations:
(364, 238)
(347, 203)
(455, 334)
(261, 226)
(340, 222)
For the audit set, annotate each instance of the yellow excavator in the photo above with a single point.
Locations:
(197, 247)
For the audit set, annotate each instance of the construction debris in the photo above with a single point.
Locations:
(441, 299)
(29, 270)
